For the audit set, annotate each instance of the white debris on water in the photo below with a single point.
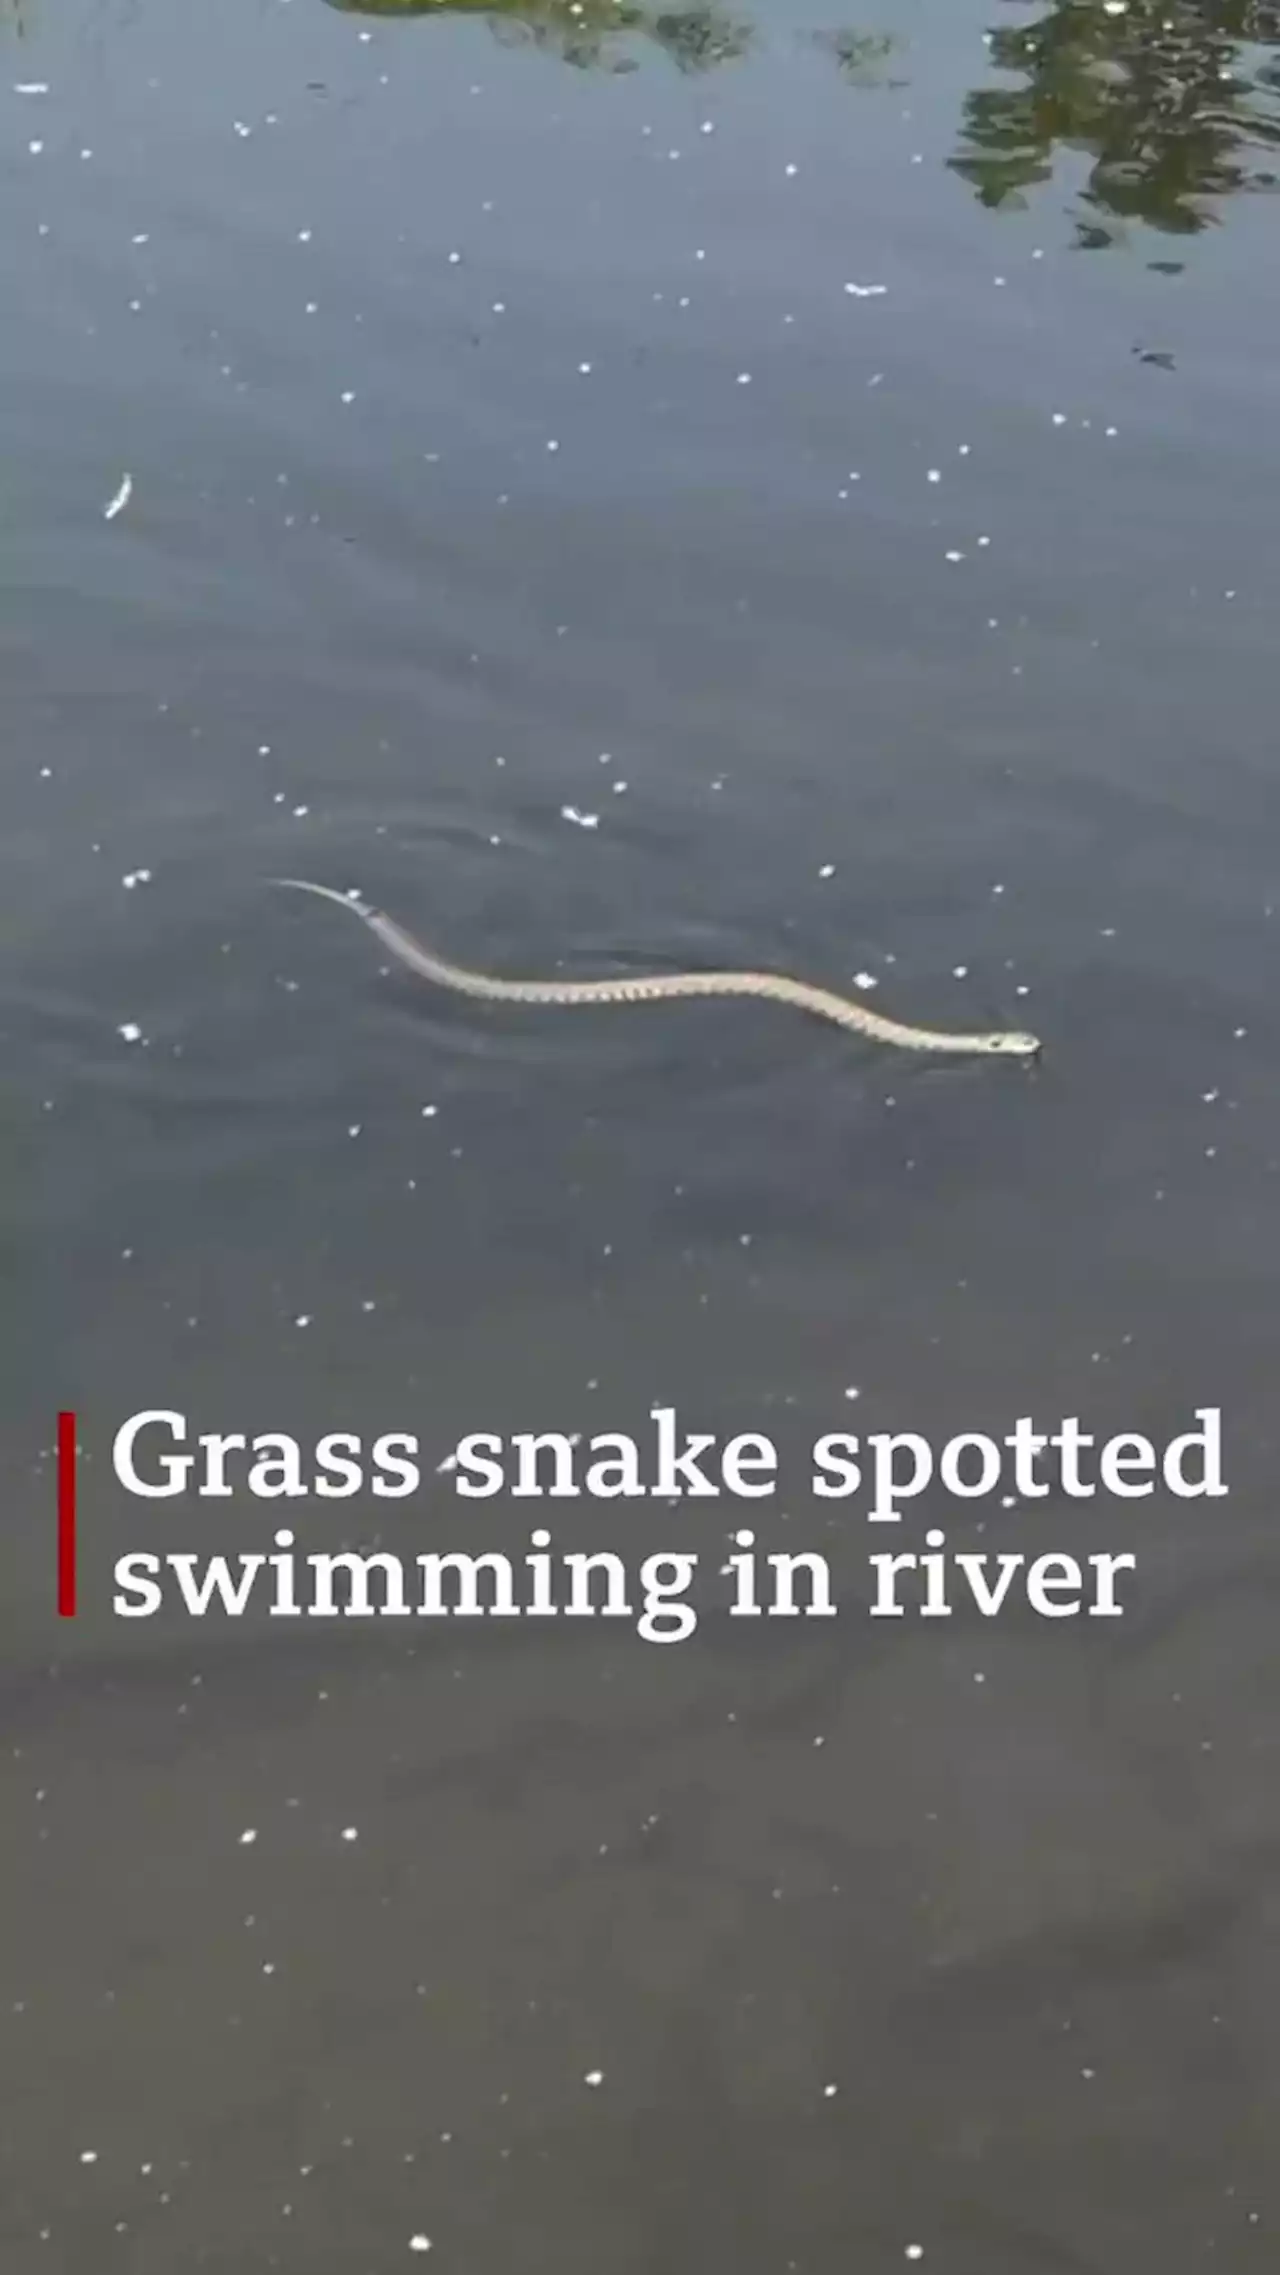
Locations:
(419, 2242)
(134, 877)
(593, 2077)
(121, 499)
(130, 1031)
(584, 821)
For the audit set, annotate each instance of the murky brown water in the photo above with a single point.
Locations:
(633, 490)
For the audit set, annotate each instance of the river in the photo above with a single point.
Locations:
(629, 492)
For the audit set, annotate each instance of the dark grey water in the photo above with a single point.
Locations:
(837, 465)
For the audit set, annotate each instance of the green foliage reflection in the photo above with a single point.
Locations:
(1176, 104)
(591, 34)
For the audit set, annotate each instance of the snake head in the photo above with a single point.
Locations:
(1015, 1045)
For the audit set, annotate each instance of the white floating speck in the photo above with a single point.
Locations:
(121, 499)
(350, 1833)
(866, 291)
(248, 1836)
(303, 1319)
(88, 2156)
(594, 2078)
(828, 869)
(584, 821)
(31, 87)
(865, 979)
(130, 1031)
(829, 2092)
(960, 971)
(419, 2243)
(913, 2251)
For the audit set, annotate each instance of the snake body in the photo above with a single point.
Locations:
(772, 987)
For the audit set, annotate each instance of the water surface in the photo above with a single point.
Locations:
(629, 489)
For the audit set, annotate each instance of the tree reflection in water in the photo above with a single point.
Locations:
(591, 34)
(1175, 102)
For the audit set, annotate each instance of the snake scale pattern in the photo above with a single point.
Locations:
(770, 987)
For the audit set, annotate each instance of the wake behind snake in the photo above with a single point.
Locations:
(771, 987)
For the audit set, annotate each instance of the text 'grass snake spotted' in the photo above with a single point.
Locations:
(770, 987)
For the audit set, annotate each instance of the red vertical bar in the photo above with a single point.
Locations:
(66, 1516)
